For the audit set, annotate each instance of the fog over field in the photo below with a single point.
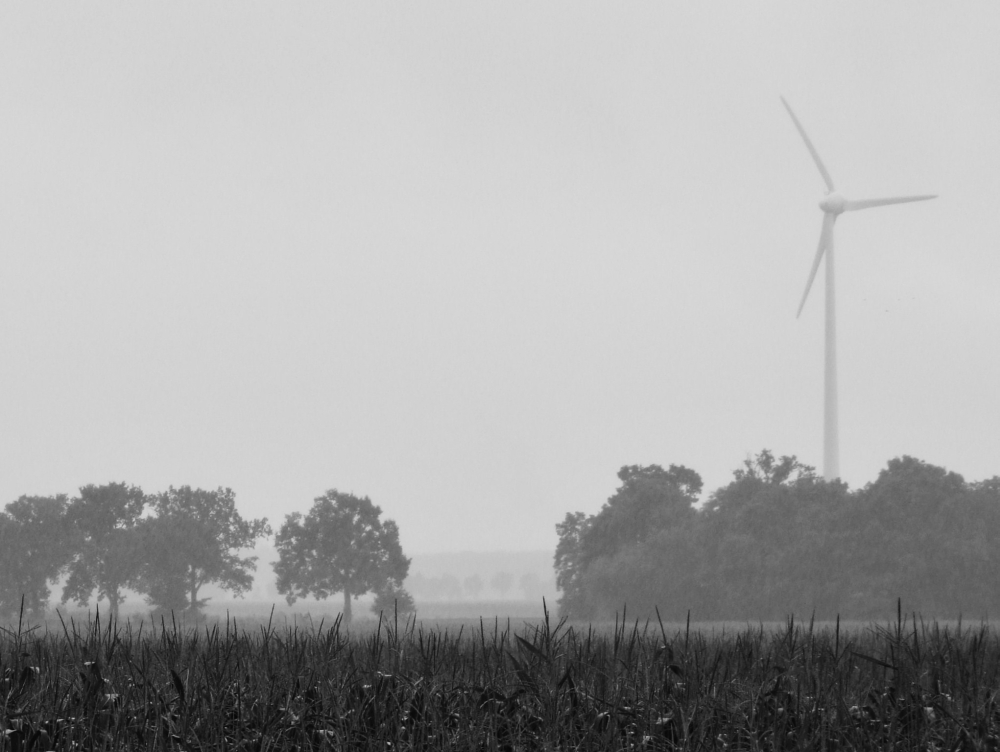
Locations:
(469, 260)
(462, 584)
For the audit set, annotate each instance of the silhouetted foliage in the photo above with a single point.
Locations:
(392, 598)
(108, 553)
(569, 563)
(34, 547)
(340, 546)
(649, 501)
(778, 539)
(195, 539)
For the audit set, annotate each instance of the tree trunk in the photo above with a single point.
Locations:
(193, 606)
(347, 606)
(113, 599)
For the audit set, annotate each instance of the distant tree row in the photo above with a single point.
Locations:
(779, 539)
(449, 587)
(114, 537)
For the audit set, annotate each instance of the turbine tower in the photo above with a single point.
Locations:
(833, 205)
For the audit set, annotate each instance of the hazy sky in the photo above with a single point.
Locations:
(469, 259)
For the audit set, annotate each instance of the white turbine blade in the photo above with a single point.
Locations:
(868, 203)
(812, 149)
(824, 242)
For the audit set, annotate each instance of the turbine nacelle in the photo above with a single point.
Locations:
(833, 203)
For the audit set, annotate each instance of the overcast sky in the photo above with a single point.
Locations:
(469, 259)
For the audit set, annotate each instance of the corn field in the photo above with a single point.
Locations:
(486, 686)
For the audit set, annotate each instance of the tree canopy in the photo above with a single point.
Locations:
(103, 541)
(107, 553)
(341, 545)
(649, 500)
(393, 599)
(195, 539)
(34, 547)
(778, 539)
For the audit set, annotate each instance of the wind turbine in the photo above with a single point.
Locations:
(833, 205)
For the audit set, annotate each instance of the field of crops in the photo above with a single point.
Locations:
(401, 685)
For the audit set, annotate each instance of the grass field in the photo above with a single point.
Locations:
(498, 685)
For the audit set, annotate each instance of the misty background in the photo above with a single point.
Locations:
(468, 261)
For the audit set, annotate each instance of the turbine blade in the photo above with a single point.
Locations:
(825, 235)
(812, 149)
(868, 203)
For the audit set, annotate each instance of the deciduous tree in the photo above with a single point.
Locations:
(34, 546)
(393, 598)
(649, 500)
(340, 546)
(779, 540)
(108, 552)
(569, 564)
(195, 539)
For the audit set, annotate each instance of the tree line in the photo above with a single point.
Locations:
(168, 546)
(448, 587)
(779, 539)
